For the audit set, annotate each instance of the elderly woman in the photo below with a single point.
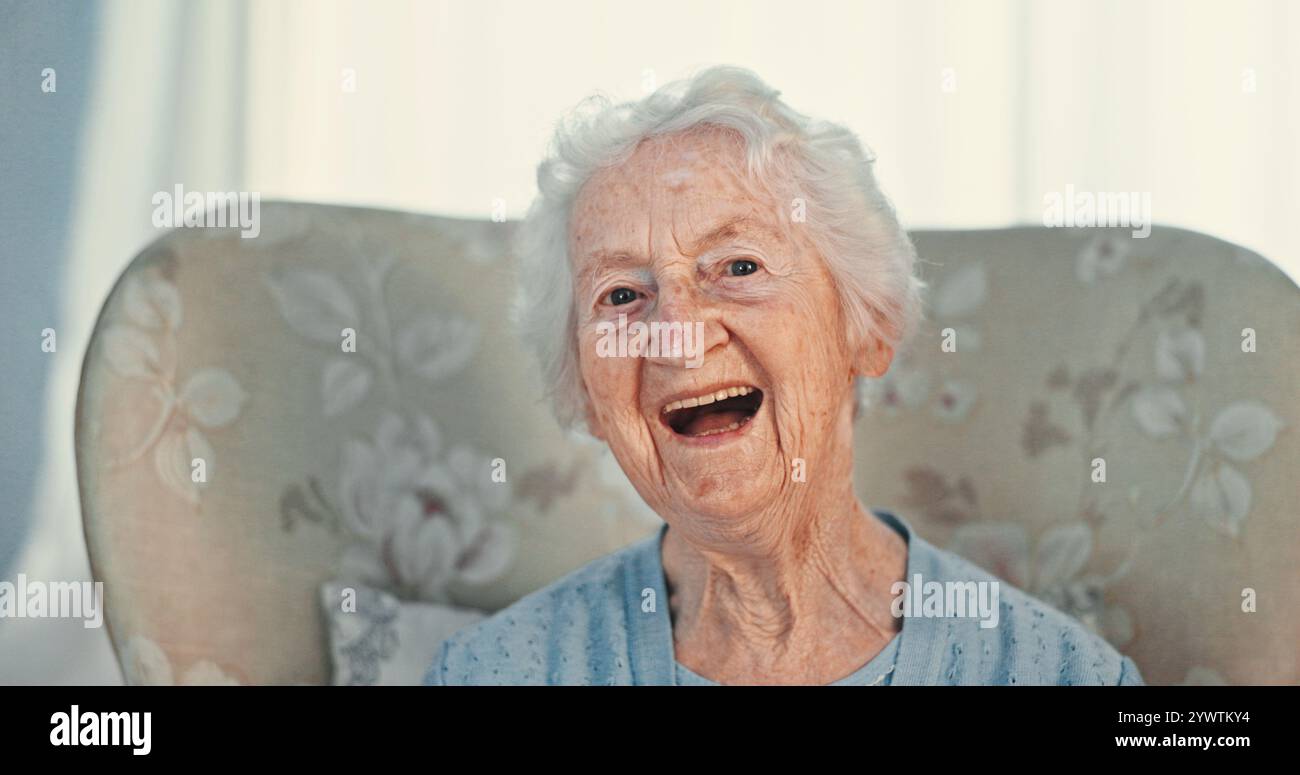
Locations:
(711, 204)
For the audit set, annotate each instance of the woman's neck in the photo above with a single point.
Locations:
(808, 606)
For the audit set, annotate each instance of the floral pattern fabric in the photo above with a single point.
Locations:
(1103, 414)
(342, 402)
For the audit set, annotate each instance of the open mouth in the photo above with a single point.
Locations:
(709, 414)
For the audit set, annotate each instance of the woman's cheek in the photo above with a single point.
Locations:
(779, 318)
(608, 379)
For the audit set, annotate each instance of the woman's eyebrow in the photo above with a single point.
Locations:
(601, 260)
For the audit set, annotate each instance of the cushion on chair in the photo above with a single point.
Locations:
(377, 640)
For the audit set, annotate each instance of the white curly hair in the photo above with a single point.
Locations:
(789, 155)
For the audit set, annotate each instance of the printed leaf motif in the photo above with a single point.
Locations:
(131, 353)
(1180, 355)
(152, 302)
(344, 382)
(213, 397)
(1176, 298)
(1001, 548)
(206, 673)
(926, 487)
(436, 347)
(928, 491)
(173, 457)
(210, 398)
(1222, 498)
(1159, 411)
(901, 388)
(955, 400)
(146, 664)
(296, 506)
(966, 490)
(314, 304)
(488, 557)
(1062, 552)
(546, 483)
(1040, 433)
(1245, 430)
(1089, 390)
(963, 292)
(1104, 255)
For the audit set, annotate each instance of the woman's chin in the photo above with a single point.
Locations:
(721, 498)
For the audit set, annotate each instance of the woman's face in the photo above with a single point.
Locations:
(674, 236)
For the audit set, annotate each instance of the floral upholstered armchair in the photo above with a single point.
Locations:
(310, 456)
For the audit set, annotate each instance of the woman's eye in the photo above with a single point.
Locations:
(741, 267)
(622, 296)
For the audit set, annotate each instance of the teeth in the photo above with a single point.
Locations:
(708, 398)
(716, 431)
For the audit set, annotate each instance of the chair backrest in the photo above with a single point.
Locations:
(342, 398)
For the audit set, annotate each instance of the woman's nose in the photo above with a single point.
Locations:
(689, 324)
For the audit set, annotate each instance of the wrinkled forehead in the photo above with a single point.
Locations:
(688, 182)
(674, 163)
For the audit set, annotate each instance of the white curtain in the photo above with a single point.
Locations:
(163, 109)
(976, 111)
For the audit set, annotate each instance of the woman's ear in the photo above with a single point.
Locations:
(873, 357)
